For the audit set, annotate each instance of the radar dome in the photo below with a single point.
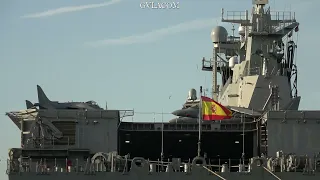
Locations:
(192, 95)
(241, 30)
(219, 34)
(233, 61)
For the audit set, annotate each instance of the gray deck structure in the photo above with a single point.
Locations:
(267, 137)
(94, 134)
(294, 131)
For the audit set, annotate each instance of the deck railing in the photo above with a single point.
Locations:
(47, 166)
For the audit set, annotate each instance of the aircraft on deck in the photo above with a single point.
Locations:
(190, 110)
(45, 103)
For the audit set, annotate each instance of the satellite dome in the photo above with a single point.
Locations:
(219, 34)
(192, 95)
(233, 61)
(241, 30)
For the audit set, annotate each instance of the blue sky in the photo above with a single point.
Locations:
(117, 52)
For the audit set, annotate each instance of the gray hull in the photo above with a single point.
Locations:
(259, 174)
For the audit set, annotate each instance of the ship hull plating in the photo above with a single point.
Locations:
(167, 176)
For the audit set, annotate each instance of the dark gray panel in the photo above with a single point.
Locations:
(293, 132)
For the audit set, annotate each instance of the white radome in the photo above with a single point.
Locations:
(241, 30)
(233, 61)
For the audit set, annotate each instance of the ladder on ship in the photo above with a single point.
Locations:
(264, 139)
(274, 106)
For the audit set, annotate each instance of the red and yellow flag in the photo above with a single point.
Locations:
(212, 110)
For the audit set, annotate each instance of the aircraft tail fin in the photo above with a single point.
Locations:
(42, 98)
(29, 104)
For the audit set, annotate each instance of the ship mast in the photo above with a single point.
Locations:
(214, 74)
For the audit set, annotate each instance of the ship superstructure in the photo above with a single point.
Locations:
(267, 138)
(258, 62)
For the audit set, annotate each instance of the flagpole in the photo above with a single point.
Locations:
(162, 155)
(200, 119)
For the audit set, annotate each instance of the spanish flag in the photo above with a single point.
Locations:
(212, 110)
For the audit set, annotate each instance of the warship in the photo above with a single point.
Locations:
(266, 138)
